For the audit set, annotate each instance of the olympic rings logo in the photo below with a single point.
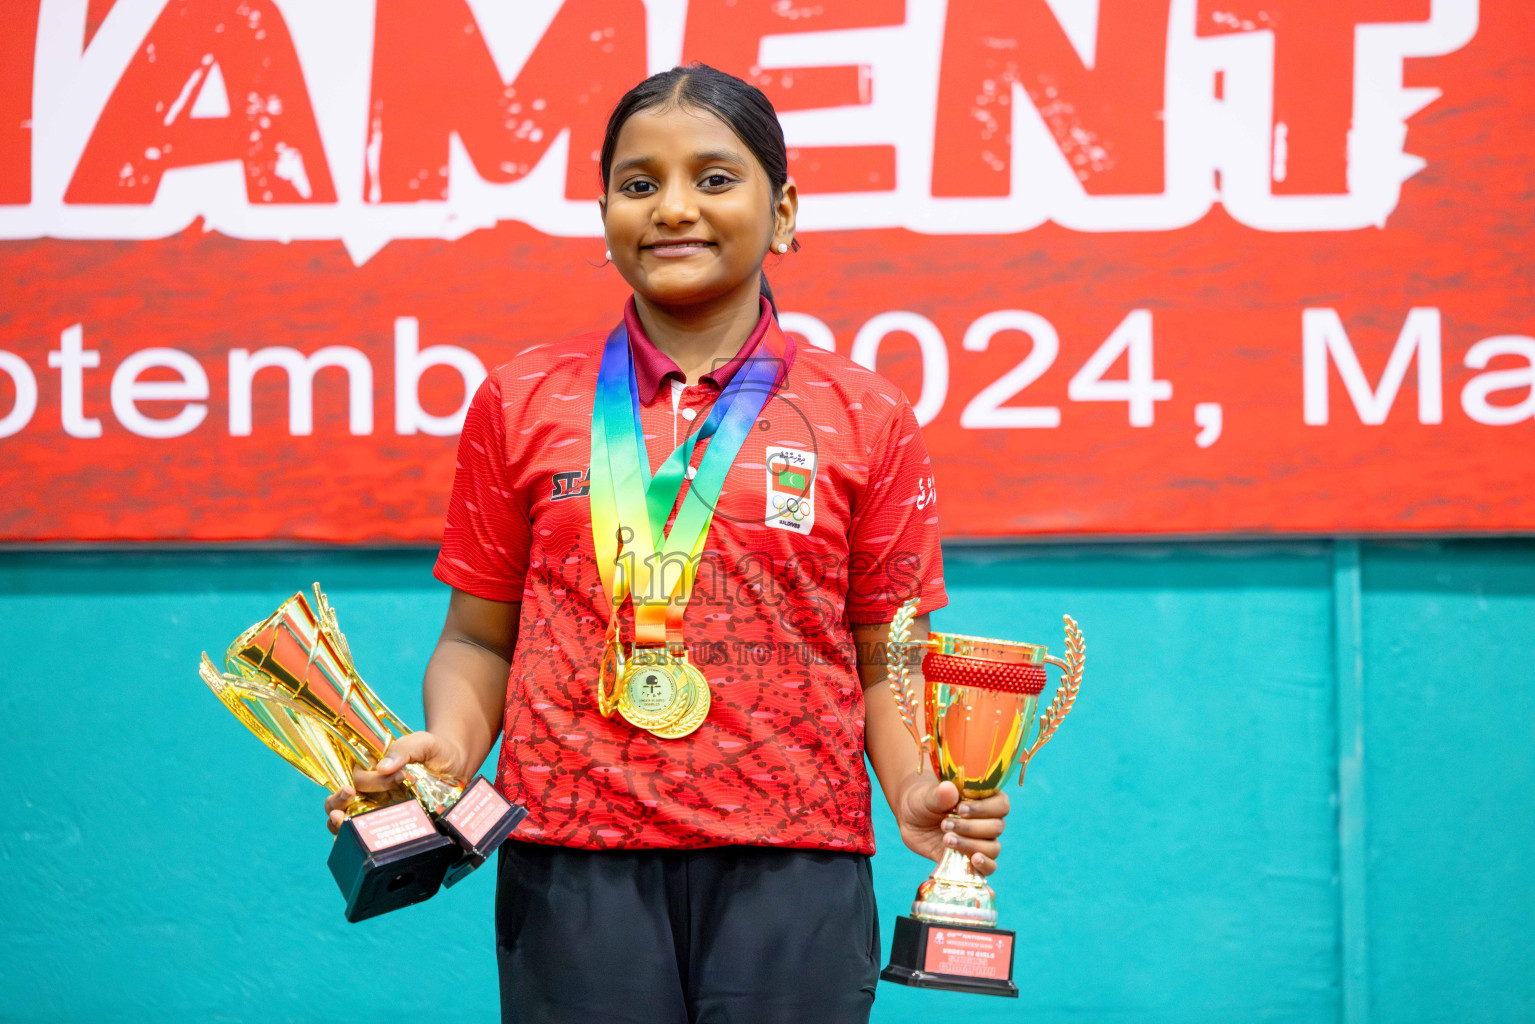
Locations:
(795, 509)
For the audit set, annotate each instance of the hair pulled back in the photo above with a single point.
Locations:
(740, 105)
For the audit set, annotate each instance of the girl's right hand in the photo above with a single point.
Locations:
(437, 755)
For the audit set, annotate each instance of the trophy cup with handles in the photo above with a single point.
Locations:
(973, 721)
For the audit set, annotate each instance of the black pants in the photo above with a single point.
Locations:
(735, 933)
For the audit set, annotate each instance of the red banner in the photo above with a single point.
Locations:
(1143, 266)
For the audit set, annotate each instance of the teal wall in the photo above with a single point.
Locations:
(1299, 785)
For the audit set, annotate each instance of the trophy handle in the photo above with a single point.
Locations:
(898, 672)
(1065, 693)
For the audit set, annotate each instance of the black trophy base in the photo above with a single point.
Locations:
(956, 958)
(390, 858)
(478, 823)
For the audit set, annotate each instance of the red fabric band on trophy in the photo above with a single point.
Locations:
(987, 675)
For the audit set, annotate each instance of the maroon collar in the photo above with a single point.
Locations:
(652, 367)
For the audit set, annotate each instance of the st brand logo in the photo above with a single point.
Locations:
(574, 483)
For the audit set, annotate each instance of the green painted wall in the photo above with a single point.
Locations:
(1182, 851)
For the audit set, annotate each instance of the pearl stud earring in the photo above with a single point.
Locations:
(783, 247)
(609, 255)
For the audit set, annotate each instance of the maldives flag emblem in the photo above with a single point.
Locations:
(790, 489)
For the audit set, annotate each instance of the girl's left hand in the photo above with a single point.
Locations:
(928, 829)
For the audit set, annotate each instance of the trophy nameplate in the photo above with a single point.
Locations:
(924, 954)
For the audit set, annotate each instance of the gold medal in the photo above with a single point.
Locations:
(609, 675)
(661, 692)
(698, 701)
(652, 692)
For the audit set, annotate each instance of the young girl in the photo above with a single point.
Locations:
(675, 550)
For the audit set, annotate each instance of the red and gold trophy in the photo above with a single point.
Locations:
(290, 679)
(978, 705)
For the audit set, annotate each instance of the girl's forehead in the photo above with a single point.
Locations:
(674, 130)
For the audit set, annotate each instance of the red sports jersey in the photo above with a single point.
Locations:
(828, 517)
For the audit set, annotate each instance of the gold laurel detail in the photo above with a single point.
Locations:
(697, 709)
(898, 672)
(1065, 693)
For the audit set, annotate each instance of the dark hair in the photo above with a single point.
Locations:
(741, 105)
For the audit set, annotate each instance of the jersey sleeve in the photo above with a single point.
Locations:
(487, 531)
(894, 551)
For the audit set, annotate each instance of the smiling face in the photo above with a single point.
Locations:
(689, 212)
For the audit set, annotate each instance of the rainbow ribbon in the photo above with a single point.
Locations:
(630, 507)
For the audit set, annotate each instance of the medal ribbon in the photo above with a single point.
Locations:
(630, 506)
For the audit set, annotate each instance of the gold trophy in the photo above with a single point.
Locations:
(979, 702)
(290, 679)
